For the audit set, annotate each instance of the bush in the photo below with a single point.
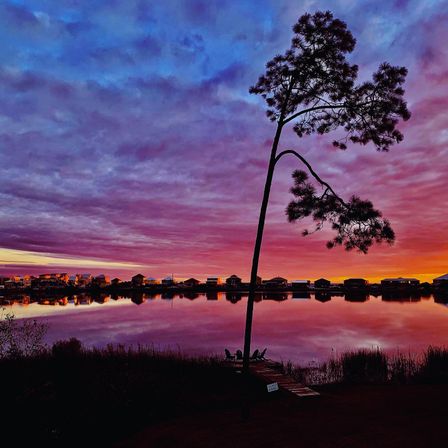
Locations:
(67, 348)
(21, 339)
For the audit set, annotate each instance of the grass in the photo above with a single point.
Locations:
(67, 395)
(364, 366)
(375, 367)
(434, 367)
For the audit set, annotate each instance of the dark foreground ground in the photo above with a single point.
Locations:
(114, 397)
(343, 416)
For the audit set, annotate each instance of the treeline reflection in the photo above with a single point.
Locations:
(139, 297)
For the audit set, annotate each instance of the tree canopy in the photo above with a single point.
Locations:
(314, 86)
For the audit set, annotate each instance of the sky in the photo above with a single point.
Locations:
(129, 141)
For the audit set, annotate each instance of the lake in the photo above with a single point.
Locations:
(292, 326)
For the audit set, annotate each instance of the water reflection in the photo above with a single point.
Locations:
(356, 296)
(191, 295)
(296, 326)
(234, 297)
(212, 295)
(401, 296)
(277, 296)
(138, 298)
(323, 297)
(301, 295)
(441, 297)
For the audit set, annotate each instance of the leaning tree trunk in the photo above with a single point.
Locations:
(257, 248)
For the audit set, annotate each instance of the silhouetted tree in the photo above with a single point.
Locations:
(312, 86)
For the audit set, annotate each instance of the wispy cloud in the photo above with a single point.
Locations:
(24, 258)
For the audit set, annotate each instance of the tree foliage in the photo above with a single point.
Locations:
(314, 86)
(314, 76)
(356, 222)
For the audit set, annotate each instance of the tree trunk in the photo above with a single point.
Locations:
(257, 248)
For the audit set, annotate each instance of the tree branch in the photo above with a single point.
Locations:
(310, 169)
(311, 109)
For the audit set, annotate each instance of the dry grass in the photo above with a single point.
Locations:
(374, 366)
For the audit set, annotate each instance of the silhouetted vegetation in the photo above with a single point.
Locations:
(70, 394)
(364, 366)
(357, 223)
(375, 367)
(20, 338)
(403, 368)
(434, 368)
(69, 348)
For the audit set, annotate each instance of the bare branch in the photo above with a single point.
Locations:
(310, 169)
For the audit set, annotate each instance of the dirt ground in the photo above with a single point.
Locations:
(343, 416)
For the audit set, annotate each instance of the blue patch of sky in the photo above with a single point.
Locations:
(99, 40)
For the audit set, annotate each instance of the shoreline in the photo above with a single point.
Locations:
(374, 290)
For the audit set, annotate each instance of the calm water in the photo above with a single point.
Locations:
(297, 329)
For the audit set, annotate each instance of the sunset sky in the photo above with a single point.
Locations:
(129, 141)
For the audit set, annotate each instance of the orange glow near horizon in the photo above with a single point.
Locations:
(368, 267)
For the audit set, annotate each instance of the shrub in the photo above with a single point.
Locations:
(67, 348)
(21, 339)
